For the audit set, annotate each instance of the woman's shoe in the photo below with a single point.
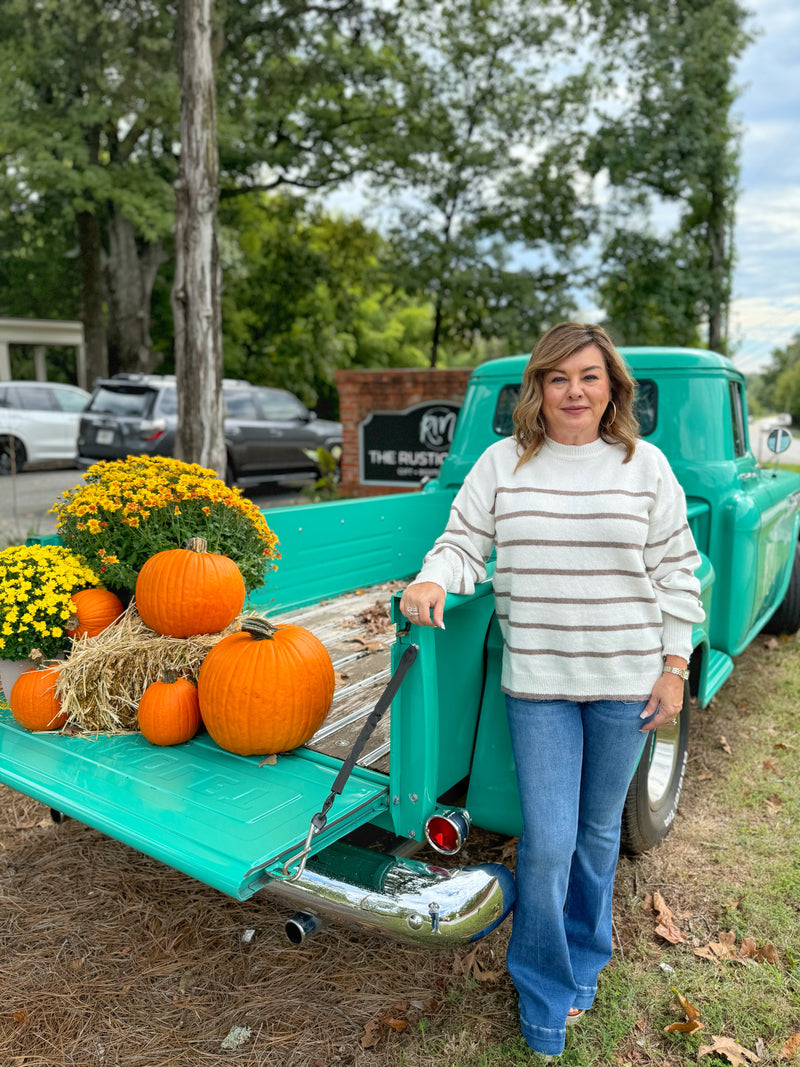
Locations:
(574, 1015)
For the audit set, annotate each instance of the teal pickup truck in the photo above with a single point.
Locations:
(335, 835)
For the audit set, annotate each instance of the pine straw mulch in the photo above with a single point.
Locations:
(109, 959)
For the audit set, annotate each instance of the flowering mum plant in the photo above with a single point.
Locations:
(130, 509)
(36, 587)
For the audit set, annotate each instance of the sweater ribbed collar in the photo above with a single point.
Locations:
(559, 451)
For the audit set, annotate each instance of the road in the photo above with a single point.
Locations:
(25, 501)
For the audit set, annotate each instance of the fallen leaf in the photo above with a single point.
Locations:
(725, 746)
(791, 1047)
(667, 928)
(20, 1016)
(689, 1027)
(770, 764)
(268, 761)
(771, 643)
(372, 1034)
(470, 964)
(730, 1049)
(773, 802)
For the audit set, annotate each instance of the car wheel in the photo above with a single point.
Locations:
(655, 789)
(12, 454)
(786, 619)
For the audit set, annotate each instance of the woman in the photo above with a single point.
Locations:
(596, 596)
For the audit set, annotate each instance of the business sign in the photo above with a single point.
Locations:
(406, 447)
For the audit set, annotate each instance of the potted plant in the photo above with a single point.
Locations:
(36, 587)
(129, 510)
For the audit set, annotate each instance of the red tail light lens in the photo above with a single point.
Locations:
(447, 831)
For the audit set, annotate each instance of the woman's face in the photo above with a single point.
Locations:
(575, 396)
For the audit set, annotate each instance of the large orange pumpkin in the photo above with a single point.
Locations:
(169, 711)
(95, 609)
(266, 689)
(186, 591)
(33, 700)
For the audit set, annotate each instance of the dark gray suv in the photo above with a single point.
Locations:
(266, 430)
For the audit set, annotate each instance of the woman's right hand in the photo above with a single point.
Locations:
(423, 604)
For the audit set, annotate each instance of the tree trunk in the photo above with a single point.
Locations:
(719, 272)
(131, 277)
(196, 292)
(91, 265)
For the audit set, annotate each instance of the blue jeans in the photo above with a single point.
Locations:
(574, 761)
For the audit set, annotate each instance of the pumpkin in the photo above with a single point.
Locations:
(182, 592)
(95, 609)
(169, 712)
(33, 699)
(265, 689)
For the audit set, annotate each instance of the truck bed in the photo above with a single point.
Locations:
(358, 634)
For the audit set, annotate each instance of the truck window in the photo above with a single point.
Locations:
(503, 422)
(737, 419)
(645, 406)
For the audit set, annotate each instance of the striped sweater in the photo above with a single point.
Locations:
(594, 581)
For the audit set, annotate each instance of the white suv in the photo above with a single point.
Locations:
(39, 423)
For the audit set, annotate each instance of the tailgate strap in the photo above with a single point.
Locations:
(319, 820)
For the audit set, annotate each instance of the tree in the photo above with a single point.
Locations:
(196, 289)
(675, 140)
(483, 165)
(306, 293)
(780, 379)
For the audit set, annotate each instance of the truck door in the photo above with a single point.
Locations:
(763, 527)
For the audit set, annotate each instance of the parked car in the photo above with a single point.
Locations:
(267, 431)
(39, 422)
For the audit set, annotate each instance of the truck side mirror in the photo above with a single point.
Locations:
(778, 440)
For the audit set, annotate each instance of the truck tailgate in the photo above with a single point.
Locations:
(229, 821)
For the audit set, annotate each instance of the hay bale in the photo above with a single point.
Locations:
(102, 681)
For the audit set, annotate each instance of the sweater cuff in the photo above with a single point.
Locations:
(676, 639)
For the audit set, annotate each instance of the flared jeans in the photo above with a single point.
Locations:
(574, 761)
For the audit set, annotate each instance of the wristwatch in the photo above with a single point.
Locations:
(682, 672)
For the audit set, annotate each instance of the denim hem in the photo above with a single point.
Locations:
(584, 997)
(541, 1039)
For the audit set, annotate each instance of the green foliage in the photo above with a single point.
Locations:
(326, 487)
(305, 294)
(676, 141)
(778, 389)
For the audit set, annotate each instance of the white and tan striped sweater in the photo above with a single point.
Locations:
(594, 581)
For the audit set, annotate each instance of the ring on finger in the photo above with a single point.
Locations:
(412, 611)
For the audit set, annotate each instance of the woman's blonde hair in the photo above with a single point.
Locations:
(618, 424)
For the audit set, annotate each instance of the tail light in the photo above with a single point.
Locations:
(152, 430)
(446, 831)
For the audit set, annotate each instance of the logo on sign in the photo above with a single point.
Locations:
(436, 427)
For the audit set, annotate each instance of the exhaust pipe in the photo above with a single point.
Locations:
(302, 926)
(403, 898)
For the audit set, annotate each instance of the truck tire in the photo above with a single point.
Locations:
(9, 445)
(656, 785)
(786, 619)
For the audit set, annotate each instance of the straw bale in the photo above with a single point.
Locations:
(102, 681)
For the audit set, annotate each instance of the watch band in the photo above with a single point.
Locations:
(682, 672)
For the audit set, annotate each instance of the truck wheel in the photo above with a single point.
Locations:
(786, 619)
(656, 786)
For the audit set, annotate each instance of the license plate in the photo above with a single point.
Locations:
(105, 437)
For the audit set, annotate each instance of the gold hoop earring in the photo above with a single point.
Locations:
(612, 420)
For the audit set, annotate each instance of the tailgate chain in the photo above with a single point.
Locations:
(319, 820)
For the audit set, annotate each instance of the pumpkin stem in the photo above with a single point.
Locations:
(258, 627)
(169, 675)
(197, 544)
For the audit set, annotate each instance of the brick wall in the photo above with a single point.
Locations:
(363, 391)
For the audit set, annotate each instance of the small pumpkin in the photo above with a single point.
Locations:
(33, 699)
(95, 609)
(181, 592)
(169, 711)
(265, 689)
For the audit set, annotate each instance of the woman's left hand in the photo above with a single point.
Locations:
(665, 703)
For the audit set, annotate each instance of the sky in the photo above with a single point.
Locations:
(765, 313)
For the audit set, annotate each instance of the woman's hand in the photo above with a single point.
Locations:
(666, 700)
(423, 603)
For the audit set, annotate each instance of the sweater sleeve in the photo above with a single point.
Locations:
(457, 560)
(671, 558)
